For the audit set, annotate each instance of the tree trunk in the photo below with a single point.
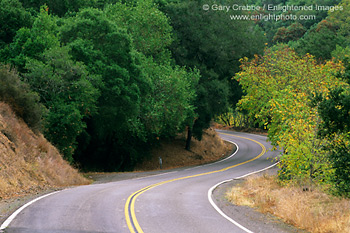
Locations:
(189, 137)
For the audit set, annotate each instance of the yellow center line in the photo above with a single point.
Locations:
(129, 208)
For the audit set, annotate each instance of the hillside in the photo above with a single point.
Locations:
(28, 162)
(173, 153)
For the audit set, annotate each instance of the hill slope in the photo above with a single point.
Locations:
(173, 153)
(28, 162)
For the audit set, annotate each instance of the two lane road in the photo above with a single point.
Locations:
(176, 201)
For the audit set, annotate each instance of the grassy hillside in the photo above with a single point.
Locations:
(28, 162)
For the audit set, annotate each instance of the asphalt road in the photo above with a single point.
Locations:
(176, 201)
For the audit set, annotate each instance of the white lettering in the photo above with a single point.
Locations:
(216, 7)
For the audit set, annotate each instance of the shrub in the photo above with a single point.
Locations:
(24, 102)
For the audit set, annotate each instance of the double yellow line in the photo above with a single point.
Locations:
(129, 208)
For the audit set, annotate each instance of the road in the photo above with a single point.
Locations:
(176, 201)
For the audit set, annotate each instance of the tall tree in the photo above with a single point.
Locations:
(213, 43)
(148, 26)
(32, 42)
(66, 90)
(143, 97)
(280, 86)
(59, 7)
(319, 41)
(107, 51)
(13, 16)
(334, 111)
(341, 19)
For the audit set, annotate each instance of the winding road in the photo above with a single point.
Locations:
(176, 201)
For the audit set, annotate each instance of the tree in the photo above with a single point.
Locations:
(32, 42)
(319, 41)
(343, 55)
(143, 97)
(341, 19)
(334, 111)
(148, 26)
(294, 32)
(13, 16)
(168, 106)
(66, 90)
(212, 43)
(279, 88)
(59, 7)
(107, 51)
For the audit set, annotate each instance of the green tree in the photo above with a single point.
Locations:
(107, 51)
(13, 16)
(294, 32)
(211, 42)
(343, 55)
(319, 41)
(334, 111)
(66, 90)
(280, 86)
(341, 19)
(148, 26)
(32, 42)
(142, 98)
(168, 106)
(59, 7)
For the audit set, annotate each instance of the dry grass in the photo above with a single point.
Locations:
(28, 162)
(210, 148)
(313, 211)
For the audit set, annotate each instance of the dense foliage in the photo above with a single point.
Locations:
(279, 89)
(106, 80)
(298, 91)
(108, 75)
(214, 46)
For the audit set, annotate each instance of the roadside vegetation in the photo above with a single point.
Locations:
(311, 210)
(298, 91)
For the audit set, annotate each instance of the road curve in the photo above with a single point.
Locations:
(176, 201)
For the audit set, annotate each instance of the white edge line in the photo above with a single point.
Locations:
(252, 173)
(220, 211)
(209, 164)
(210, 194)
(13, 216)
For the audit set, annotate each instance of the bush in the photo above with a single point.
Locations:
(24, 102)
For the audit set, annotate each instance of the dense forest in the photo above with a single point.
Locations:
(106, 80)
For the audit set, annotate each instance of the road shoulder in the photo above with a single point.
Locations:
(249, 217)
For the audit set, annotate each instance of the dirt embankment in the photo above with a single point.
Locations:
(28, 162)
(173, 153)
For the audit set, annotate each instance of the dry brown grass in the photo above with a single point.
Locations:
(28, 162)
(210, 148)
(314, 211)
